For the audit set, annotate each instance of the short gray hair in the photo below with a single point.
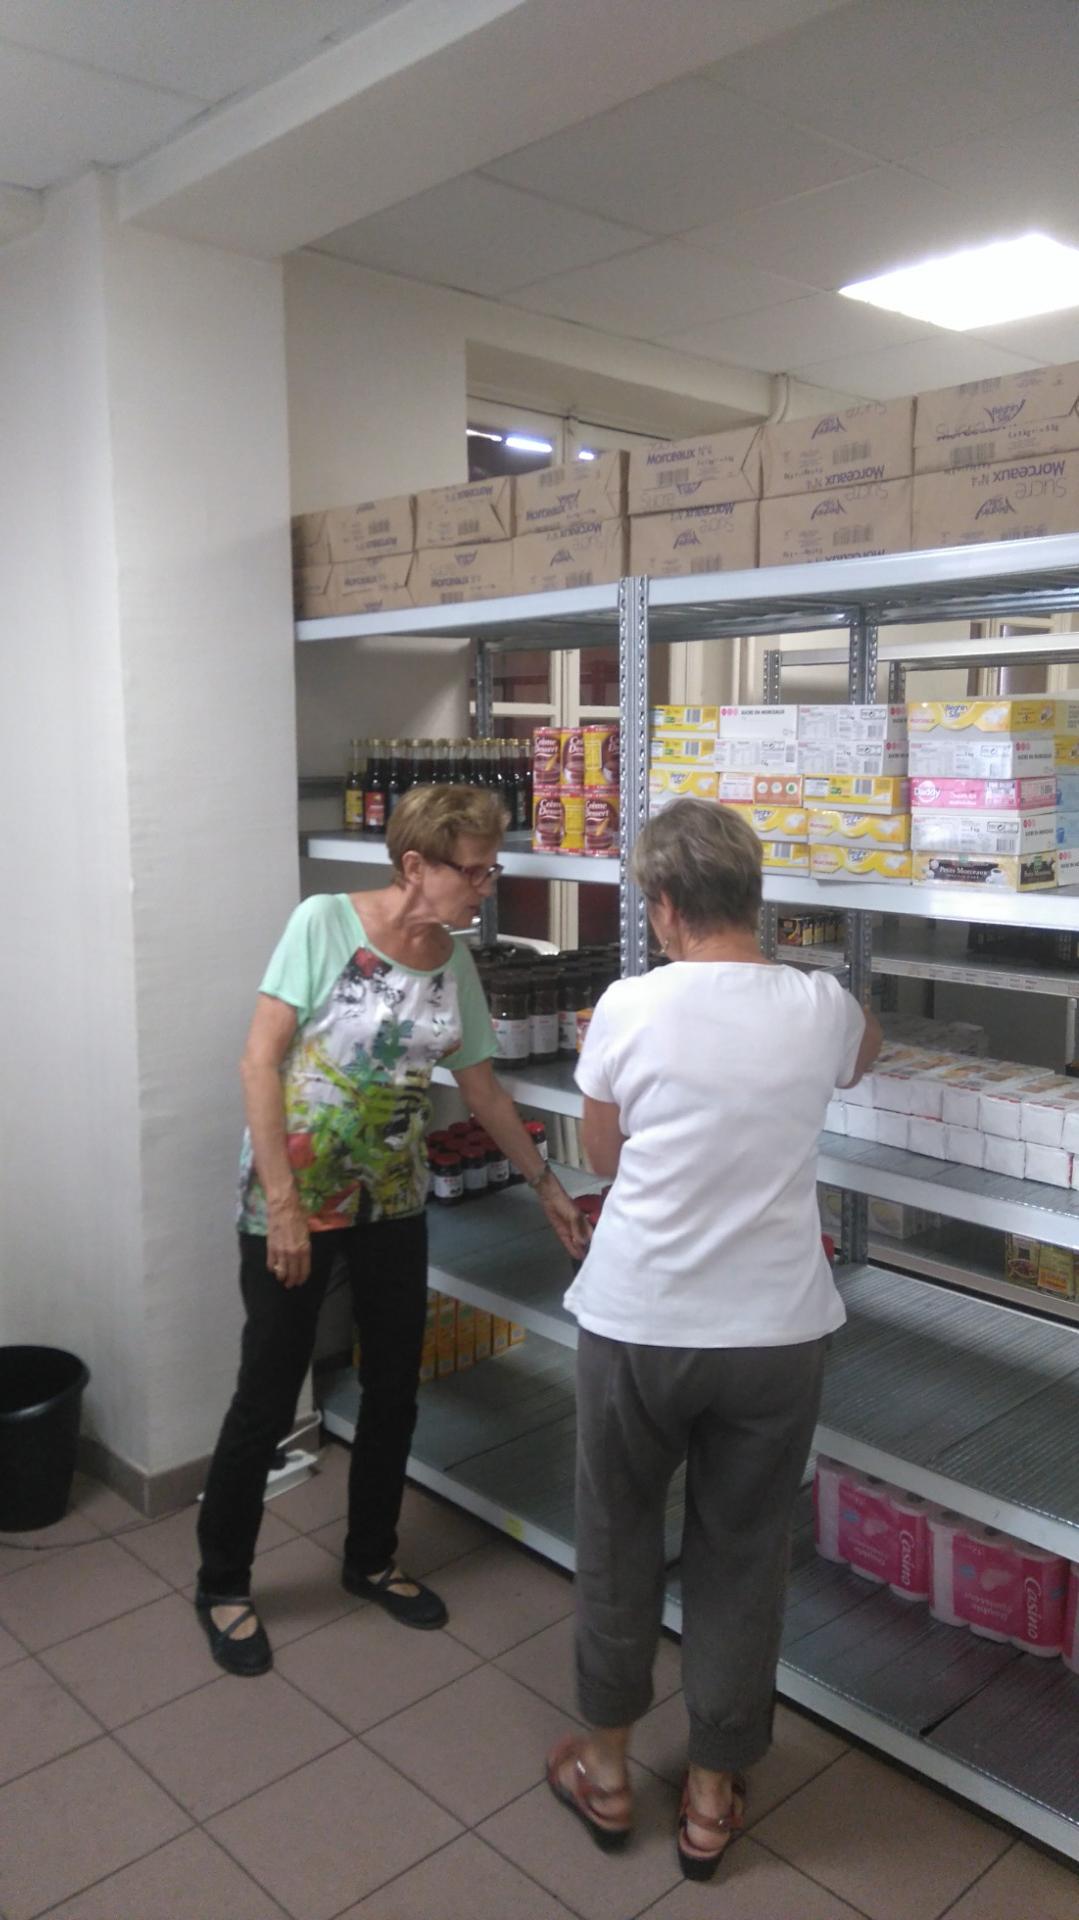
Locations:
(706, 859)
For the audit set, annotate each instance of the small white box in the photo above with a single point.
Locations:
(860, 1095)
(900, 1222)
(1044, 1113)
(840, 722)
(766, 755)
(965, 1145)
(928, 1136)
(1051, 1165)
(835, 1117)
(927, 1091)
(1070, 1135)
(893, 1129)
(861, 1123)
(1000, 1108)
(1067, 866)
(962, 1092)
(758, 723)
(1005, 1156)
(855, 759)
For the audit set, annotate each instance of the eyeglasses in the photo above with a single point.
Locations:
(476, 876)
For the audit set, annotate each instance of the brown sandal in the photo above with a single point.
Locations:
(695, 1863)
(584, 1798)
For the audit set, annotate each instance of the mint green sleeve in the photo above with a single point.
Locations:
(309, 956)
(477, 1033)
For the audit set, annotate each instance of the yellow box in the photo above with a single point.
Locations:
(676, 783)
(860, 863)
(830, 827)
(429, 1354)
(500, 1334)
(1066, 750)
(685, 719)
(856, 792)
(1040, 715)
(769, 789)
(774, 823)
(517, 1334)
(682, 750)
(482, 1324)
(466, 1337)
(1056, 1271)
(785, 856)
(1021, 1258)
(1000, 872)
(446, 1361)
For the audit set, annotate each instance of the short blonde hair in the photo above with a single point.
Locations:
(706, 859)
(430, 820)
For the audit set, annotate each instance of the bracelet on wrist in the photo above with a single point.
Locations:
(537, 1179)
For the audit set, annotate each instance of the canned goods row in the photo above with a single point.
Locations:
(541, 1005)
(566, 822)
(577, 758)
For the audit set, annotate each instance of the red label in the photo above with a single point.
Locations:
(374, 809)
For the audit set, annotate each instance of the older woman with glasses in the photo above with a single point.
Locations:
(704, 1306)
(365, 995)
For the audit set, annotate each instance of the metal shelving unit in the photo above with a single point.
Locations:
(968, 1399)
(516, 856)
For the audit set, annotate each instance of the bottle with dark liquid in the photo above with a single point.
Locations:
(524, 785)
(421, 763)
(354, 791)
(441, 766)
(374, 790)
(396, 778)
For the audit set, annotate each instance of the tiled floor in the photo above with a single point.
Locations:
(378, 1774)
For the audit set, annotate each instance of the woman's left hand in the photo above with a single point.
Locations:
(564, 1216)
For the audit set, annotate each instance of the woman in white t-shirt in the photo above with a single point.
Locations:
(704, 1306)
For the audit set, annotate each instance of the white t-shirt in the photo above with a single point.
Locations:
(710, 1236)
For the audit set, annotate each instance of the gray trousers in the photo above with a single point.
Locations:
(742, 1418)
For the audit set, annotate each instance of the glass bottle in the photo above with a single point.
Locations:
(477, 771)
(543, 1014)
(510, 1017)
(354, 791)
(421, 763)
(441, 764)
(524, 786)
(374, 790)
(396, 787)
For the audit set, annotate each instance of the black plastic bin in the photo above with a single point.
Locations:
(41, 1391)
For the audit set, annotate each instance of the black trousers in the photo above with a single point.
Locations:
(387, 1271)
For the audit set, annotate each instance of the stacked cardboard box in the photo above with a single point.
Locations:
(463, 544)
(837, 486)
(682, 755)
(854, 767)
(458, 1336)
(354, 559)
(571, 525)
(693, 504)
(984, 790)
(998, 459)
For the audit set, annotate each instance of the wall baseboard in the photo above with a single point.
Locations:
(153, 1494)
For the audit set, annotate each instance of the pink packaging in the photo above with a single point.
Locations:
(945, 1530)
(1039, 1627)
(868, 1537)
(988, 1582)
(1071, 1620)
(826, 1484)
(983, 796)
(911, 1516)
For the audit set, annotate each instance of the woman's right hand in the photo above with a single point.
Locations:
(288, 1242)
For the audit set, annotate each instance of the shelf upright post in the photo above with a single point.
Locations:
(773, 694)
(861, 691)
(484, 723)
(633, 795)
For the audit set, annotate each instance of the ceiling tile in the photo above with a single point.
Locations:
(783, 337)
(889, 75)
(942, 361)
(60, 119)
(851, 230)
(1051, 337)
(656, 290)
(1027, 174)
(673, 157)
(201, 47)
(480, 235)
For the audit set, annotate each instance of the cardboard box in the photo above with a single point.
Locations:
(1066, 753)
(449, 576)
(676, 783)
(1067, 829)
(930, 718)
(1058, 1269)
(980, 757)
(929, 1137)
(466, 1337)
(775, 823)
(1000, 1105)
(983, 832)
(685, 751)
(861, 1122)
(369, 530)
(500, 1334)
(851, 725)
(363, 586)
(861, 445)
(429, 1352)
(772, 789)
(468, 515)
(310, 540)
(850, 524)
(897, 1220)
(984, 796)
(1051, 1166)
(1005, 1156)
(1013, 500)
(1033, 412)
(588, 554)
(830, 827)
(1021, 1260)
(869, 758)
(758, 723)
(965, 1145)
(868, 795)
(684, 719)
(556, 498)
(1045, 1111)
(1005, 873)
(1068, 866)
(446, 1357)
(481, 1323)
(785, 856)
(738, 789)
(859, 863)
(709, 470)
(757, 756)
(893, 1129)
(719, 539)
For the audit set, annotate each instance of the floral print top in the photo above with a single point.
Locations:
(369, 1034)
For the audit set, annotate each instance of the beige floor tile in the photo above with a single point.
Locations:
(30, 1549)
(1024, 1885)
(327, 1836)
(801, 1750)
(475, 1745)
(134, 1664)
(498, 1596)
(98, 1583)
(214, 1747)
(889, 1845)
(10, 1649)
(431, 1533)
(169, 1546)
(546, 1664)
(321, 1499)
(69, 1823)
(752, 1885)
(189, 1879)
(38, 1719)
(548, 1843)
(102, 1506)
(366, 1667)
(466, 1881)
(297, 1589)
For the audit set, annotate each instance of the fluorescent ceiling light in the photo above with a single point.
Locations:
(477, 433)
(586, 454)
(521, 443)
(981, 286)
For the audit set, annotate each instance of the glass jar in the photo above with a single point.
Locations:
(510, 1017)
